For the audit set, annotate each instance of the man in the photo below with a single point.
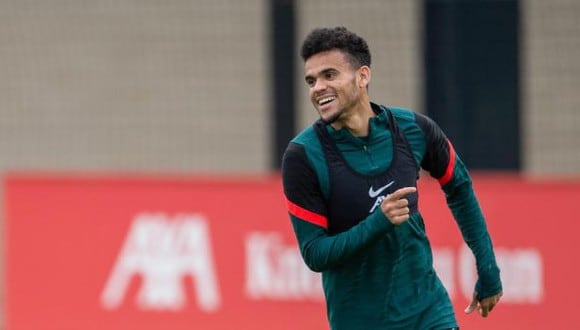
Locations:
(350, 185)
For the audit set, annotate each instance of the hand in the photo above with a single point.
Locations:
(396, 207)
(484, 306)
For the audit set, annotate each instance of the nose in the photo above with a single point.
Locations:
(319, 85)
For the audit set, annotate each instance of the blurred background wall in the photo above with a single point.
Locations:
(134, 85)
(186, 86)
(551, 79)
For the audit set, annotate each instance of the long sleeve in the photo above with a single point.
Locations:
(446, 166)
(467, 212)
(308, 213)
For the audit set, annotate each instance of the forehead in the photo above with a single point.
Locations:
(332, 59)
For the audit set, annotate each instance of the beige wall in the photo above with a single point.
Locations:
(134, 85)
(184, 86)
(551, 87)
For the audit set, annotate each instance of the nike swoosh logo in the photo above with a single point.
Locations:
(373, 193)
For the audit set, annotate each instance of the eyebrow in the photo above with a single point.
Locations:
(325, 71)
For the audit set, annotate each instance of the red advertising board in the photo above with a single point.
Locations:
(218, 253)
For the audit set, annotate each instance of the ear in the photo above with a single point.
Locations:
(364, 75)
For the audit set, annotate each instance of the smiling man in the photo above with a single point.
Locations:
(350, 182)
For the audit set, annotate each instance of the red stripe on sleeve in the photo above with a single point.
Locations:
(304, 214)
(450, 166)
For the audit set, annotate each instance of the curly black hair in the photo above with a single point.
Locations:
(340, 38)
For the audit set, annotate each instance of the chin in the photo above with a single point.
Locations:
(330, 118)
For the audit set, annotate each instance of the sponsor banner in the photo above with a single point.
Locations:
(202, 253)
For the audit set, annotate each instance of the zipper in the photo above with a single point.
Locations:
(369, 157)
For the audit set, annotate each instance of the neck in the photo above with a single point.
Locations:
(357, 119)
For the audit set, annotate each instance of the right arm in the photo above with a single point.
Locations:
(308, 212)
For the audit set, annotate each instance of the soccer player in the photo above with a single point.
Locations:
(350, 184)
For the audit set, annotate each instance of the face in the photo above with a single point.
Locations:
(335, 87)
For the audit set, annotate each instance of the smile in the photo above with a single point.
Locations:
(326, 100)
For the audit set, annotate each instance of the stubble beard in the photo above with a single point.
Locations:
(342, 108)
(334, 117)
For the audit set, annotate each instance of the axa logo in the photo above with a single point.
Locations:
(377, 194)
(162, 250)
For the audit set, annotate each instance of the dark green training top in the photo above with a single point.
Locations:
(377, 275)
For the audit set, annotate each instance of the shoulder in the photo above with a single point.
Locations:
(408, 121)
(412, 122)
(304, 160)
(306, 137)
(404, 115)
(406, 118)
(303, 150)
(410, 117)
(305, 144)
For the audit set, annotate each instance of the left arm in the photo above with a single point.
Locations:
(441, 161)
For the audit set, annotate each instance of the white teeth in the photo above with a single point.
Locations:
(325, 100)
